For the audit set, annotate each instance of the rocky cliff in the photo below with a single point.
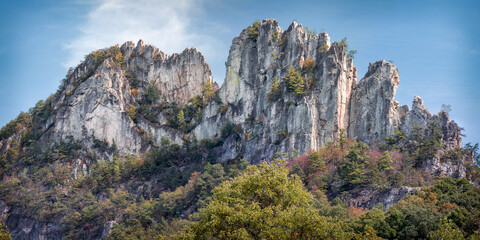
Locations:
(366, 110)
(95, 100)
(285, 91)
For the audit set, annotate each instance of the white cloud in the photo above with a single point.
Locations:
(169, 25)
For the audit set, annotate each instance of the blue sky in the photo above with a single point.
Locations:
(433, 43)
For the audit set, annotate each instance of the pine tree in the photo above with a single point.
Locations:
(181, 120)
(253, 34)
(274, 90)
(385, 162)
(295, 82)
(208, 91)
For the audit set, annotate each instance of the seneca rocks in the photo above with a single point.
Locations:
(365, 110)
(95, 100)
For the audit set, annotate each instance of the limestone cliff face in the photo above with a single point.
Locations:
(95, 101)
(291, 122)
(419, 116)
(95, 98)
(97, 107)
(373, 110)
(366, 110)
(178, 77)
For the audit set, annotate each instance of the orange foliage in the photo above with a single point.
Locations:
(432, 197)
(193, 178)
(139, 161)
(308, 64)
(355, 212)
(446, 206)
(134, 92)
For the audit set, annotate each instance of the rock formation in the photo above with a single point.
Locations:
(366, 110)
(99, 101)
(94, 100)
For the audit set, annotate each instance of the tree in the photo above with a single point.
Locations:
(447, 231)
(274, 90)
(131, 111)
(315, 163)
(353, 168)
(394, 141)
(430, 143)
(308, 65)
(324, 48)
(385, 162)
(208, 91)
(473, 151)
(295, 82)
(4, 234)
(181, 120)
(344, 44)
(446, 108)
(151, 94)
(253, 30)
(351, 54)
(262, 203)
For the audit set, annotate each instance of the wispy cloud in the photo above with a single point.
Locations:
(169, 25)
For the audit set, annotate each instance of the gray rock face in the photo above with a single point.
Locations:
(367, 111)
(373, 110)
(368, 198)
(419, 116)
(334, 101)
(97, 107)
(23, 226)
(447, 169)
(307, 121)
(178, 77)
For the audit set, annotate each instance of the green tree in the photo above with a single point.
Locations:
(351, 54)
(253, 30)
(295, 82)
(151, 94)
(385, 162)
(315, 163)
(344, 44)
(429, 143)
(181, 120)
(207, 91)
(274, 90)
(447, 231)
(324, 48)
(354, 168)
(394, 141)
(262, 203)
